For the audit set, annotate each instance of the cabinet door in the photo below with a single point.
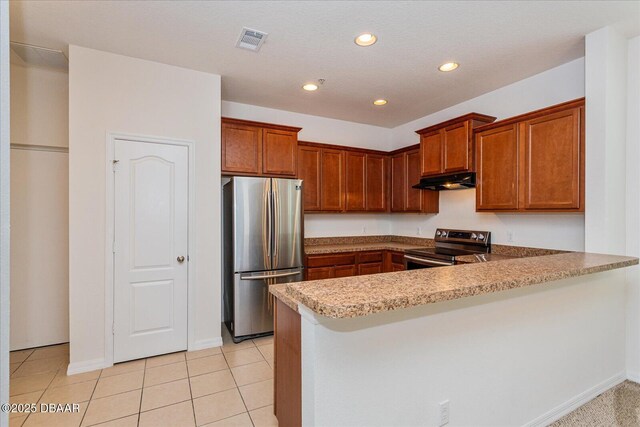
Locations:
(431, 153)
(309, 172)
(280, 149)
(457, 147)
(397, 267)
(398, 183)
(414, 196)
(332, 180)
(552, 161)
(376, 183)
(497, 169)
(241, 149)
(344, 270)
(320, 273)
(370, 268)
(355, 181)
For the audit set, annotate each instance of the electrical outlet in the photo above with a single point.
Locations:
(419, 231)
(444, 412)
(510, 236)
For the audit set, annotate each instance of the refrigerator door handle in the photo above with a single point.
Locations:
(269, 276)
(275, 194)
(267, 219)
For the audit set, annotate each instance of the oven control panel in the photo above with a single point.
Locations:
(483, 237)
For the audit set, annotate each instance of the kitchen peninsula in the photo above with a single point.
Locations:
(475, 341)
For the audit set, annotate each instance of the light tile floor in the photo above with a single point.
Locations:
(227, 386)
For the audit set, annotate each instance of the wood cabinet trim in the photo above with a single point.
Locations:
(471, 116)
(342, 147)
(576, 103)
(231, 120)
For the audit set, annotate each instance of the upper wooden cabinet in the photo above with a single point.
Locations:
(376, 193)
(405, 172)
(533, 162)
(342, 179)
(309, 171)
(253, 148)
(356, 181)
(241, 148)
(332, 178)
(497, 167)
(448, 147)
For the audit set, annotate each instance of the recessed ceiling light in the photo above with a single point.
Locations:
(379, 102)
(310, 87)
(449, 66)
(366, 39)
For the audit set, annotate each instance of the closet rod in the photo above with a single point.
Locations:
(39, 148)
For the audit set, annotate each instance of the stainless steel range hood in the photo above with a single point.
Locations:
(459, 181)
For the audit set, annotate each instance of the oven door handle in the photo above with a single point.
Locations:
(427, 262)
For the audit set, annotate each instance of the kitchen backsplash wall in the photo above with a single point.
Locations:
(457, 210)
(335, 225)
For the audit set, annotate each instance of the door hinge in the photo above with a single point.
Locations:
(113, 329)
(114, 164)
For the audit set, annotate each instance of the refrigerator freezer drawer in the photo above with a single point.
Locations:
(253, 305)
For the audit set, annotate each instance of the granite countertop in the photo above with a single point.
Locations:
(359, 247)
(364, 295)
(469, 259)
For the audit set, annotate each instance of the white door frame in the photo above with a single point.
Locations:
(110, 230)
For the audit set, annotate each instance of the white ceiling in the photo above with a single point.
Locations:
(496, 43)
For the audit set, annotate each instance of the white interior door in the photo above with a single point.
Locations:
(151, 229)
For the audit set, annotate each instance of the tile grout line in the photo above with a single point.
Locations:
(144, 376)
(91, 398)
(238, 388)
(193, 406)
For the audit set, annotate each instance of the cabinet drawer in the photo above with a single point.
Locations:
(331, 260)
(364, 257)
(320, 273)
(370, 268)
(345, 270)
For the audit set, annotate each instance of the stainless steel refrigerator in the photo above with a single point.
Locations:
(263, 235)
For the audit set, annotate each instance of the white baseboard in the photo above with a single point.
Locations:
(633, 376)
(208, 343)
(577, 401)
(86, 366)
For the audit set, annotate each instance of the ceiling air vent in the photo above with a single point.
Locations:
(251, 39)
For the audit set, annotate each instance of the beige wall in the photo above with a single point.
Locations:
(39, 105)
(39, 206)
(113, 93)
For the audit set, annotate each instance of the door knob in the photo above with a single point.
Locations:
(180, 259)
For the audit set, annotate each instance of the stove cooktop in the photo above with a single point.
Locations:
(438, 253)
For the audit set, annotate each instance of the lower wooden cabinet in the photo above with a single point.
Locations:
(370, 268)
(393, 261)
(533, 162)
(287, 348)
(349, 264)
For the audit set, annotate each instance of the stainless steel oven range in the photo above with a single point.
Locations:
(449, 245)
